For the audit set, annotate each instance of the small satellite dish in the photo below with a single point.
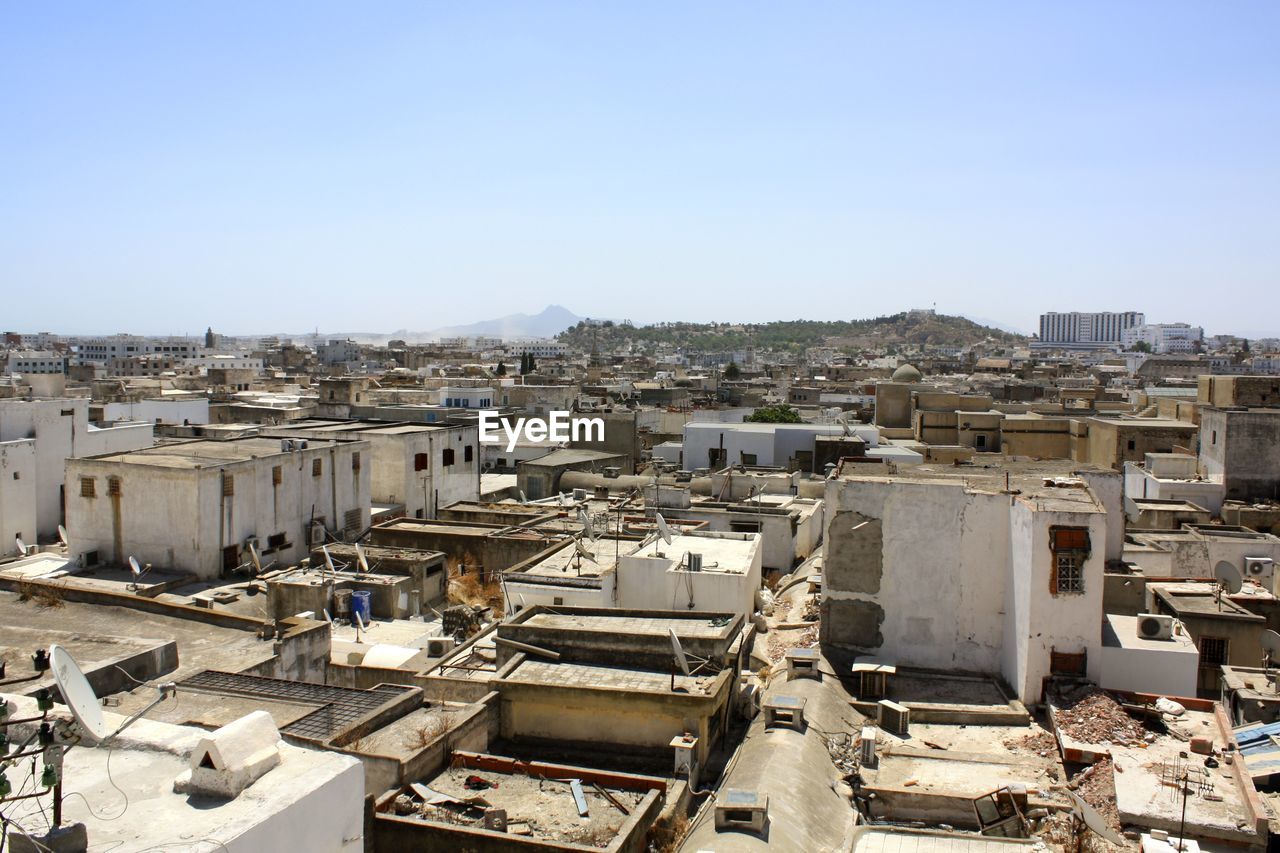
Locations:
(134, 568)
(1093, 820)
(22, 546)
(78, 695)
(328, 561)
(663, 530)
(523, 499)
(62, 535)
(253, 555)
(565, 499)
(364, 564)
(1271, 645)
(678, 650)
(582, 550)
(327, 617)
(585, 520)
(1229, 577)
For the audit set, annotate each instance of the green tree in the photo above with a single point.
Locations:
(780, 414)
(731, 372)
(1140, 346)
(500, 370)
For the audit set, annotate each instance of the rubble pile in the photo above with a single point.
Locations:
(1040, 742)
(1094, 716)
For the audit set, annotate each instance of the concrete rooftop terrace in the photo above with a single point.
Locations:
(199, 454)
(651, 624)
(1052, 482)
(359, 426)
(613, 678)
(728, 553)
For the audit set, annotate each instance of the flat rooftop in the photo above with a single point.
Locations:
(728, 553)
(199, 453)
(648, 625)
(1055, 482)
(620, 679)
(567, 562)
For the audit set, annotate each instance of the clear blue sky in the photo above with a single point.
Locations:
(376, 166)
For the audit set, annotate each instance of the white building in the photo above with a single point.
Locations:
(1086, 329)
(229, 360)
(101, 350)
(167, 408)
(467, 396)
(338, 352)
(56, 430)
(537, 348)
(1171, 477)
(420, 466)
(717, 445)
(27, 362)
(968, 571)
(1164, 338)
(699, 571)
(195, 506)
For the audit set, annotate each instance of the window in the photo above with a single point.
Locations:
(1070, 547)
(355, 461)
(228, 485)
(351, 522)
(17, 476)
(317, 467)
(744, 526)
(448, 457)
(1132, 444)
(421, 461)
(557, 601)
(749, 459)
(276, 541)
(277, 475)
(980, 442)
(1213, 651)
(468, 453)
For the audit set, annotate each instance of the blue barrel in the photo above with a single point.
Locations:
(361, 605)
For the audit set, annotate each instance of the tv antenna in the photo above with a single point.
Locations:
(1228, 578)
(1084, 815)
(683, 660)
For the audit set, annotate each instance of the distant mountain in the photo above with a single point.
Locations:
(547, 323)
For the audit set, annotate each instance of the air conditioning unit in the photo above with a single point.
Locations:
(579, 495)
(438, 647)
(286, 445)
(867, 751)
(316, 535)
(302, 444)
(695, 562)
(894, 718)
(1154, 626)
(1261, 569)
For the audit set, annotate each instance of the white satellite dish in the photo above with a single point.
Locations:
(565, 499)
(328, 561)
(663, 530)
(253, 555)
(134, 568)
(62, 535)
(582, 550)
(1228, 577)
(1271, 645)
(523, 499)
(22, 546)
(678, 650)
(78, 695)
(587, 529)
(364, 564)
(1093, 820)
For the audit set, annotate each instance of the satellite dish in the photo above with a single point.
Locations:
(663, 530)
(678, 650)
(22, 546)
(1093, 820)
(328, 561)
(523, 499)
(253, 555)
(78, 695)
(62, 535)
(585, 520)
(1271, 645)
(582, 550)
(1229, 577)
(134, 568)
(565, 499)
(364, 564)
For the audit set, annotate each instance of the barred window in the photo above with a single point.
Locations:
(88, 488)
(277, 475)
(317, 467)
(1070, 547)
(1070, 572)
(1213, 651)
(228, 485)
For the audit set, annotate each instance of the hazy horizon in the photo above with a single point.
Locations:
(262, 168)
